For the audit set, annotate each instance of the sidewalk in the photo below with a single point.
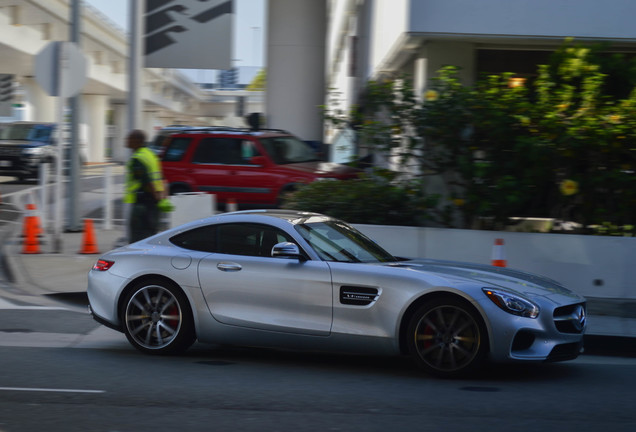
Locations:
(611, 322)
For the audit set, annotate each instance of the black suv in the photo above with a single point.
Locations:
(23, 146)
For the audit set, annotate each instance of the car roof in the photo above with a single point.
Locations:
(222, 130)
(28, 123)
(293, 216)
(274, 217)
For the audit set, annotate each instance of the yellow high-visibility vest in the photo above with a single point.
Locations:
(153, 166)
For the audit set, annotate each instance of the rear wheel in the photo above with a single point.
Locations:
(447, 337)
(157, 318)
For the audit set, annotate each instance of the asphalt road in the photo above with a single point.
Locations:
(60, 372)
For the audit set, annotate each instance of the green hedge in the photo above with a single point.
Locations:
(370, 199)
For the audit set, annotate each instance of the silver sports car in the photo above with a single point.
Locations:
(307, 281)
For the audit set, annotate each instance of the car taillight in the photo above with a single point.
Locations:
(103, 265)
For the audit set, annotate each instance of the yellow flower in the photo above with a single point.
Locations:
(431, 95)
(459, 202)
(569, 187)
(614, 118)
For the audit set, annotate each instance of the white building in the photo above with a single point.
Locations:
(371, 38)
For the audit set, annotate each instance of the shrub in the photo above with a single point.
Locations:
(504, 151)
(371, 199)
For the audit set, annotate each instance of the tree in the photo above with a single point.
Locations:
(563, 146)
(259, 82)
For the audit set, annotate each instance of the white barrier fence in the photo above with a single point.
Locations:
(593, 266)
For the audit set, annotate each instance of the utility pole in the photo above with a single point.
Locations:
(135, 57)
(134, 63)
(74, 153)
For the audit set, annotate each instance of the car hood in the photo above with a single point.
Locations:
(22, 143)
(323, 169)
(515, 281)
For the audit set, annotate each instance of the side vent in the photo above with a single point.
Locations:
(358, 296)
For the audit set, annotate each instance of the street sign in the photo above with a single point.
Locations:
(6, 95)
(60, 69)
(190, 34)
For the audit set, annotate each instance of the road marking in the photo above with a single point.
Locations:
(25, 389)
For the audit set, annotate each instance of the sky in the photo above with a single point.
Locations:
(249, 32)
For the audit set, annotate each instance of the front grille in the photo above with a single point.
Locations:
(568, 351)
(570, 319)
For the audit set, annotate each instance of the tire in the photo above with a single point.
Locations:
(157, 318)
(447, 337)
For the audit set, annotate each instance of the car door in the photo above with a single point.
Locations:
(244, 286)
(224, 166)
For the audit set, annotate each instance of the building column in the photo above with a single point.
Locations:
(95, 117)
(120, 122)
(38, 105)
(296, 33)
(150, 124)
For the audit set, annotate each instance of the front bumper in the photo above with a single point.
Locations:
(540, 339)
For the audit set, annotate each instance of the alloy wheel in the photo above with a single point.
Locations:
(153, 317)
(447, 339)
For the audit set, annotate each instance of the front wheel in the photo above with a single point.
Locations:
(157, 318)
(447, 337)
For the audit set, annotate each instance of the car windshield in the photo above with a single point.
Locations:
(288, 149)
(336, 241)
(26, 132)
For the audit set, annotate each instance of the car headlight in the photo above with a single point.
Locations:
(33, 151)
(512, 303)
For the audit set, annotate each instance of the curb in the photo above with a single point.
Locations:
(620, 346)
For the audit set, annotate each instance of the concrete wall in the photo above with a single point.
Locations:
(524, 18)
(593, 266)
(389, 23)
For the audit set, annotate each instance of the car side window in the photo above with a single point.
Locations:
(233, 239)
(176, 149)
(248, 151)
(199, 239)
(249, 239)
(226, 151)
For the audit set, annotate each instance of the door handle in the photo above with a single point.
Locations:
(228, 267)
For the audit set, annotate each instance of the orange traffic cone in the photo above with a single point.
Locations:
(231, 205)
(499, 254)
(31, 212)
(89, 243)
(31, 244)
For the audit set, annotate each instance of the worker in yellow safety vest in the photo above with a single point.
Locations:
(144, 188)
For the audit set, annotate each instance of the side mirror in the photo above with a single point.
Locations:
(286, 250)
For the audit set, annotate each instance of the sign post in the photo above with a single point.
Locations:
(6, 95)
(60, 69)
